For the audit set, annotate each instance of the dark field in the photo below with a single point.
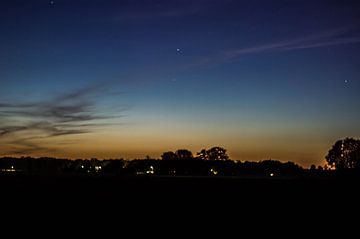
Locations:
(188, 190)
(172, 200)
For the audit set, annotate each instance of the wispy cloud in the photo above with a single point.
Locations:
(72, 113)
(10, 129)
(25, 147)
(340, 36)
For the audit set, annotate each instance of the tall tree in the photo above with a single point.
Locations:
(203, 155)
(215, 153)
(344, 154)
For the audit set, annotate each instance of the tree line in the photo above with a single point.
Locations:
(148, 166)
(344, 155)
(208, 162)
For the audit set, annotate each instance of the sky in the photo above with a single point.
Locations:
(124, 79)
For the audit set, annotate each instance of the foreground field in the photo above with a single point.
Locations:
(179, 202)
(141, 188)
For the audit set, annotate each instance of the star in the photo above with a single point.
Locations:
(52, 2)
(178, 49)
(346, 81)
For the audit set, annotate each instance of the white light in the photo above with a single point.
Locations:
(12, 167)
(271, 175)
(82, 166)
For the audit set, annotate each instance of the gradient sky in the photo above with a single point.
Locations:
(264, 79)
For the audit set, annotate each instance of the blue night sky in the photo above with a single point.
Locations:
(264, 79)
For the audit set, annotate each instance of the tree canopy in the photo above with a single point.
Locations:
(344, 154)
(184, 154)
(215, 153)
(168, 156)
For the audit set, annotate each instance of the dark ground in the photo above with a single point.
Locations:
(168, 199)
(156, 189)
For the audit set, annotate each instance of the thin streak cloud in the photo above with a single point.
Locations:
(340, 36)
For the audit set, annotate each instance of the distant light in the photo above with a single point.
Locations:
(151, 167)
(271, 175)
(12, 167)
(82, 166)
(213, 171)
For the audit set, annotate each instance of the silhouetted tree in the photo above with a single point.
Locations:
(183, 154)
(355, 156)
(215, 153)
(168, 156)
(203, 155)
(344, 154)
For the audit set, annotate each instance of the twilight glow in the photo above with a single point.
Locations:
(264, 79)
